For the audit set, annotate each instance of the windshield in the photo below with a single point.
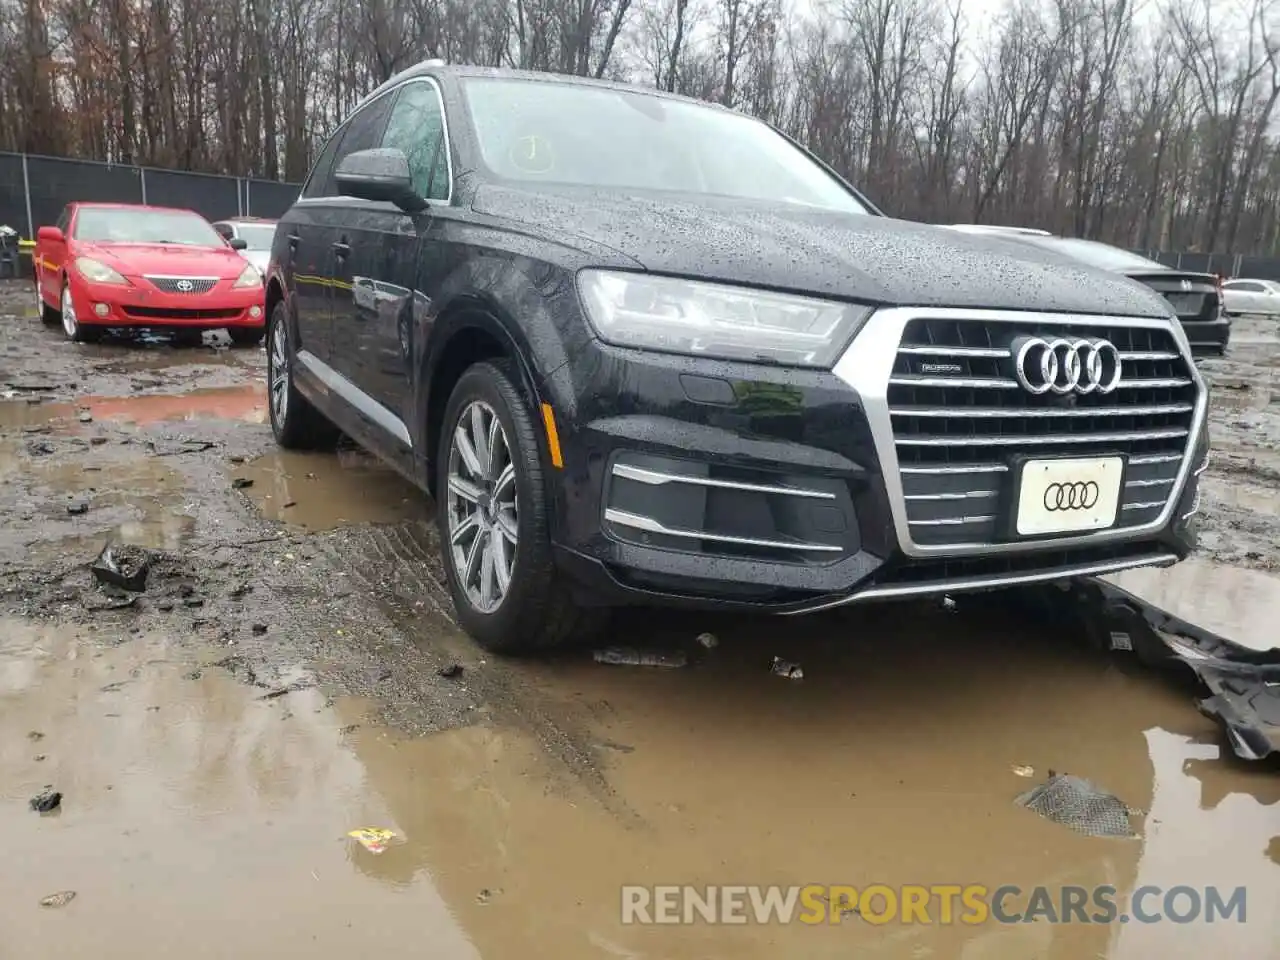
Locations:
(257, 235)
(563, 133)
(1097, 254)
(123, 225)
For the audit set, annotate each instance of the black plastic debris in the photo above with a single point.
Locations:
(240, 483)
(77, 507)
(46, 800)
(1079, 805)
(1243, 684)
(123, 566)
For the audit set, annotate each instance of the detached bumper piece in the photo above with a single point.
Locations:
(1243, 684)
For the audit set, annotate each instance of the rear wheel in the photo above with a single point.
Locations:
(494, 517)
(49, 316)
(297, 425)
(71, 323)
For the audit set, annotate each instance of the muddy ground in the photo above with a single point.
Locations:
(280, 683)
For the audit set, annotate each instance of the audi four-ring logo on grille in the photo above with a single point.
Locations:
(1066, 366)
(1070, 496)
(186, 286)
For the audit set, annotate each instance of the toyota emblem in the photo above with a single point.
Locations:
(1065, 366)
(186, 286)
(1070, 496)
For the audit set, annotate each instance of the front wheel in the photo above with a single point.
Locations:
(493, 512)
(71, 326)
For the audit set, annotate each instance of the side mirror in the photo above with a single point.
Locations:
(238, 243)
(379, 174)
(51, 234)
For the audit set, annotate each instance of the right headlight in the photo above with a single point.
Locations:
(251, 276)
(716, 320)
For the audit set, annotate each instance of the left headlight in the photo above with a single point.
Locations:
(251, 277)
(97, 272)
(714, 320)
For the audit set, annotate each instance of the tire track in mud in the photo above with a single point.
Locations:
(397, 565)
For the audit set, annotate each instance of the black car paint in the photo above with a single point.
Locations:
(495, 271)
(868, 259)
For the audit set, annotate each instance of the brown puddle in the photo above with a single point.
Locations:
(890, 762)
(15, 414)
(246, 403)
(320, 491)
(138, 501)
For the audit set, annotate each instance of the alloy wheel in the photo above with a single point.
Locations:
(69, 323)
(483, 509)
(278, 372)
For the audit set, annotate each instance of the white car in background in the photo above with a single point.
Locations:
(1251, 296)
(257, 235)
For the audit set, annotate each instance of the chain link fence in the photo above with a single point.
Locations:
(33, 191)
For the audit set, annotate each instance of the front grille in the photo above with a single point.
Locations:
(960, 417)
(180, 313)
(184, 284)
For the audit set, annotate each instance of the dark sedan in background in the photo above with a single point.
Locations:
(1195, 297)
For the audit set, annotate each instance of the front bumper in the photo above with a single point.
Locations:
(707, 483)
(141, 305)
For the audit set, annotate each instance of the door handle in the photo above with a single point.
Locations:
(341, 248)
(294, 240)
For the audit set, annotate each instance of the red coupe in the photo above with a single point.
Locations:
(117, 265)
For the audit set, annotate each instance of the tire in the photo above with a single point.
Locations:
(536, 611)
(75, 331)
(49, 316)
(246, 336)
(296, 424)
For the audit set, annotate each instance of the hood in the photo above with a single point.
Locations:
(818, 252)
(137, 259)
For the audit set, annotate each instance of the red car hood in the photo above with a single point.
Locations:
(165, 259)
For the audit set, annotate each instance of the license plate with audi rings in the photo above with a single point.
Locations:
(1069, 496)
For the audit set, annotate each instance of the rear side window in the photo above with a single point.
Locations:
(319, 182)
(1246, 287)
(417, 127)
(64, 221)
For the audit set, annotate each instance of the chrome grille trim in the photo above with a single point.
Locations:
(868, 366)
(649, 525)
(969, 468)
(998, 412)
(980, 441)
(952, 521)
(169, 284)
(658, 477)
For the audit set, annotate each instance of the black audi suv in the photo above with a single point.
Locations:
(1196, 298)
(645, 350)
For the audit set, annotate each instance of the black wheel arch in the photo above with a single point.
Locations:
(469, 331)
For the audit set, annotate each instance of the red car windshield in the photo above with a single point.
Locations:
(112, 225)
